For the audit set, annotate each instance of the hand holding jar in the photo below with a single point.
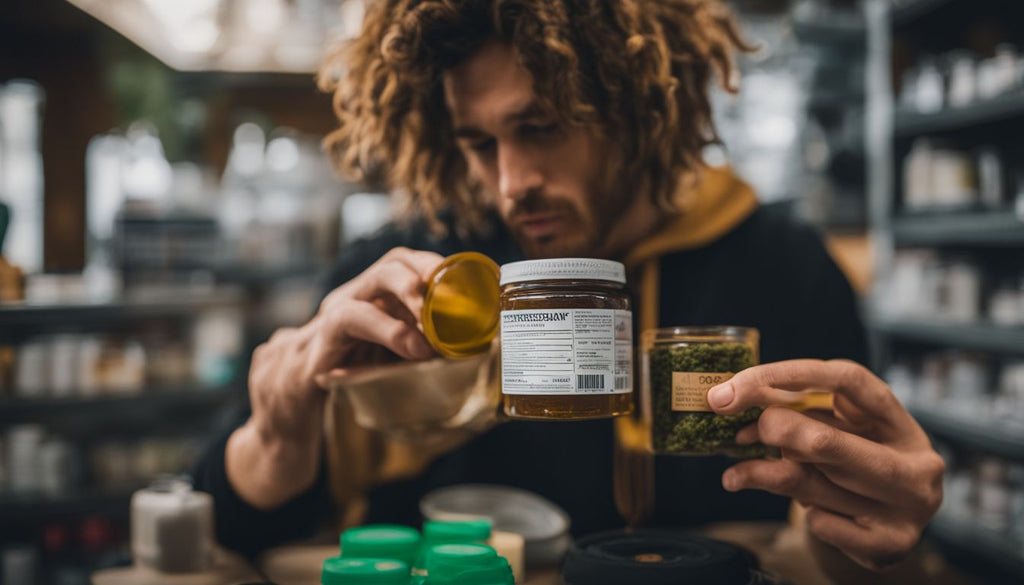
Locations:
(866, 471)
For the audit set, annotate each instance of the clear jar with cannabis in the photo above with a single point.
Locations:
(566, 339)
(677, 368)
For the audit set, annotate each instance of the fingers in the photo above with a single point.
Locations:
(800, 482)
(421, 262)
(876, 544)
(401, 273)
(749, 434)
(850, 461)
(395, 279)
(774, 383)
(363, 320)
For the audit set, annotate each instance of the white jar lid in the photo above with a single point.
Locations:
(563, 269)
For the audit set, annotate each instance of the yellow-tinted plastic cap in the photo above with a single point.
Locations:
(460, 309)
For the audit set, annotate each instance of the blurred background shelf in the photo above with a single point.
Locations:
(1009, 340)
(830, 32)
(994, 228)
(165, 402)
(911, 11)
(92, 502)
(1004, 438)
(948, 173)
(1005, 108)
(255, 275)
(984, 546)
(17, 318)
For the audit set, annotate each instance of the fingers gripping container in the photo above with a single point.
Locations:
(677, 368)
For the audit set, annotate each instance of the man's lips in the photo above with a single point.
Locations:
(539, 226)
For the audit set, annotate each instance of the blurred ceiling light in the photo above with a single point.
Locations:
(246, 158)
(182, 9)
(773, 131)
(199, 37)
(266, 36)
(264, 16)
(296, 56)
(352, 13)
(282, 154)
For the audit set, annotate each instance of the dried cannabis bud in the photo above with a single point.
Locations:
(698, 432)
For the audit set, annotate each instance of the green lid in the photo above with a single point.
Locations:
(466, 531)
(384, 541)
(463, 554)
(452, 532)
(339, 571)
(466, 564)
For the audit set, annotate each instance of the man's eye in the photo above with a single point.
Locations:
(482, 146)
(539, 129)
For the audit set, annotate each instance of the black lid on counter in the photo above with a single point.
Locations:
(656, 557)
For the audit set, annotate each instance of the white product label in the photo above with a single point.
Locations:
(567, 351)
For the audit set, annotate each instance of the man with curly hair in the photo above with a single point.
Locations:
(560, 128)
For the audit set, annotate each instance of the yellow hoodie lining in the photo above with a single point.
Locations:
(720, 202)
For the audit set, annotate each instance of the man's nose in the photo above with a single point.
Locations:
(518, 174)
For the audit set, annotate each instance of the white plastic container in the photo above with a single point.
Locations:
(172, 527)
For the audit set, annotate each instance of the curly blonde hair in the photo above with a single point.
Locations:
(639, 68)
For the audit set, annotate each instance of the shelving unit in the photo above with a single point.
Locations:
(152, 402)
(992, 239)
(18, 320)
(971, 228)
(988, 547)
(911, 11)
(993, 338)
(1005, 439)
(256, 276)
(830, 32)
(94, 502)
(162, 421)
(834, 41)
(1004, 108)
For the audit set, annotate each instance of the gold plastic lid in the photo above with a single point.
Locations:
(460, 309)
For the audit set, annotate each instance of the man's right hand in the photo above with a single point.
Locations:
(274, 456)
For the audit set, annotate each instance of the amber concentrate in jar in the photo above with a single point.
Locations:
(560, 296)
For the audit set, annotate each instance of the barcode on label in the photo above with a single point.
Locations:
(590, 381)
(621, 382)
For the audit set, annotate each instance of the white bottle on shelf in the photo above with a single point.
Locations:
(23, 443)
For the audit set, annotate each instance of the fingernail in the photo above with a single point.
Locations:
(746, 436)
(721, 395)
(419, 347)
(729, 481)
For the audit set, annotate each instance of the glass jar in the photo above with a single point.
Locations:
(678, 367)
(566, 339)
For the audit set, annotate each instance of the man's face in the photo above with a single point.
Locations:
(554, 186)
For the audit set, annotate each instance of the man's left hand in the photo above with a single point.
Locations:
(866, 471)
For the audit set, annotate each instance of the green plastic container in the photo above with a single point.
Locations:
(466, 564)
(437, 532)
(460, 532)
(381, 541)
(345, 571)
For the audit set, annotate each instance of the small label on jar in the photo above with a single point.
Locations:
(567, 351)
(690, 389)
